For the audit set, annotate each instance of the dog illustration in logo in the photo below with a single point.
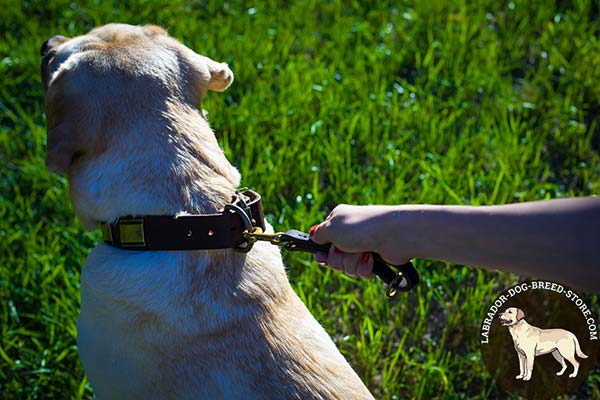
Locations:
(531, 341)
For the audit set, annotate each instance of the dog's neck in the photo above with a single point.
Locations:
(518, 326)
(169, 165)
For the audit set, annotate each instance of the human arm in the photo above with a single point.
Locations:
(553, 239)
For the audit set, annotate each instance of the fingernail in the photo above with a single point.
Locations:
(337, 251)
(312, 230)
(364, 258)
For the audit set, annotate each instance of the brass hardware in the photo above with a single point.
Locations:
(247, 245)
(257, 234)
(106, 233)
(398, 282)
(132, 232)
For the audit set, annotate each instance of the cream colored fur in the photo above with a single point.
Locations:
(124, 124)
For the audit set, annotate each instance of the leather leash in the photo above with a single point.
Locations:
(402, 280)
(238, 226)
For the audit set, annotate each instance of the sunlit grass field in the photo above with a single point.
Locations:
(445, 102)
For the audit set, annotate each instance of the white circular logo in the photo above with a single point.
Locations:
(539, 339)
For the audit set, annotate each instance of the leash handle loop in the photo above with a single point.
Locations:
(400, 278)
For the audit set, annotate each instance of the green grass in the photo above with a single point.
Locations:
(454, 102)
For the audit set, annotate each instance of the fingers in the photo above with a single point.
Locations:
(335, 258)
(353, 264)
(321, 258)
(365, 266)
(320, 233)
(356, 265)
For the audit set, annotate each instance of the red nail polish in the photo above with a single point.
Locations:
(365, 257)
(336, 250)
(312, 230)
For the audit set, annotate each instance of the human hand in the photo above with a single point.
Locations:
(355, 232)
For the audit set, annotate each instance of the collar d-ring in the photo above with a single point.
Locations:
(247, 245)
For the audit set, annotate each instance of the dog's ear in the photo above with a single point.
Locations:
(62, 147)
(520, 314)
(50, 44)
(154, 30)
(207, 73)
(217, 75)
(48, 51)
(221, 76)
(63, 137)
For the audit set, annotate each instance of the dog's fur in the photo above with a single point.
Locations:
(124, 124)
(531, 341)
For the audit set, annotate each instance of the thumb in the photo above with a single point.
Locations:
(320, 233)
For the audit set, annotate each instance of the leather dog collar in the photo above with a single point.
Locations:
(188, 232)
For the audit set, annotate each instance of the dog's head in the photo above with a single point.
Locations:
(115, 75)
(511, 316)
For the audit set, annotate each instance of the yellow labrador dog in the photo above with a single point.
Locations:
(124, 124)
(531, 341)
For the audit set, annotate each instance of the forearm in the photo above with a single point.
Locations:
(558, 239)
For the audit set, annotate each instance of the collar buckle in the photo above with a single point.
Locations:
(131, 232)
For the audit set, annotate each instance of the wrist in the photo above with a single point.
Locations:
(402, 234)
